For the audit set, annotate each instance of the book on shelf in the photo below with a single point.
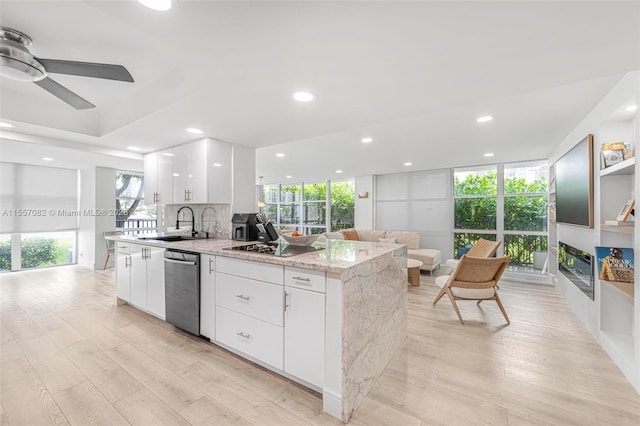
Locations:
(626, 223)
(615, 264)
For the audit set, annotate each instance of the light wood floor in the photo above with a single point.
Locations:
(70, 356)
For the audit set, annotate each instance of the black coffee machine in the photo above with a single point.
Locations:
(243, 227)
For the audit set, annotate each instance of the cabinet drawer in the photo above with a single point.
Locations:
(253, 337)
(307, 279)
(123, 248)
(257, 299)
(254, 270)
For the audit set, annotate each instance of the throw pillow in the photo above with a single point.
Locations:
(350, 234)
(387, 240)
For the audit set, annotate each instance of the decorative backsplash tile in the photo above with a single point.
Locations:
(212, 218)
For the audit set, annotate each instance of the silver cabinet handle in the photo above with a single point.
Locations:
(286, 301)
(308, 280)
(127, 261)
(211, 266)
(243, 297)
(241, 334)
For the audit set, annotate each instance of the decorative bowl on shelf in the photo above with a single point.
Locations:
(300, 240)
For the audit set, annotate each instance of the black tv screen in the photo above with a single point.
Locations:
(574, 185)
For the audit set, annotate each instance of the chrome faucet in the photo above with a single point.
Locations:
(193, 220)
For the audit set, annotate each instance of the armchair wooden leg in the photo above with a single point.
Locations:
(502, 308)
(455, 305)
(443, 290)
(106, 261)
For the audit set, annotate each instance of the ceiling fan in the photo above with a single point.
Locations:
(17, 63)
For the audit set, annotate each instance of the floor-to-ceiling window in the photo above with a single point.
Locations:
(475, 207)
(132, 214)
(507, 203)
(39, 216)
(310, 208)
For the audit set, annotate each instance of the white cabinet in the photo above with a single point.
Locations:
(158, 178)
(155, 281)
(123, 270)
(220, 172)
(258, 339)
(197, 172)
(146, 275)
(207, 296)
(249, 310)
(190, 172)
(304, 324)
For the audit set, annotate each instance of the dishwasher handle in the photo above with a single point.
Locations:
(180, 262)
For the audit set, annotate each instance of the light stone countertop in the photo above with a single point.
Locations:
(338, 256)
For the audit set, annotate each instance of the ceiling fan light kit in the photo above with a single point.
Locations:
(17, 63)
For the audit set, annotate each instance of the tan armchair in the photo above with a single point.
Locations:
(482, 248)
(474, 278)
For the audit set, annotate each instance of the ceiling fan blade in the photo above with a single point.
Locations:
(87, 69)
(58, 90)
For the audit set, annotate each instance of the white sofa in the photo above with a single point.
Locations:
(430, 258)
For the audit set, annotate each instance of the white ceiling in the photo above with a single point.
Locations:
(412, 75)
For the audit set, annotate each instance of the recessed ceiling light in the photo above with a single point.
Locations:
(489, 154)
(47, 158)
(366, 140)
(168, 154)
(134, 148)
(217, 165)
(338, 171)
(194, 131)
(288, 176)
(176, 174)
(159, 5)
(408, 163)
(484, 119)
(6, 125)
(631, 108)
(304, 96)
(280, 155)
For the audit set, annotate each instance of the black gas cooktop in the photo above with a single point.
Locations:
(275, 249)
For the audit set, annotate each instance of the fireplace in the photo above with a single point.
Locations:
(577, 266)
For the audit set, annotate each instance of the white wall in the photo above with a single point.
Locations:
(97, 194)
(244, 180)
(86, 224)
(363, 216)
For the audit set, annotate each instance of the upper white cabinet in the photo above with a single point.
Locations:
(158, 167)
(197, 172)
(220, 172)
(190, 172)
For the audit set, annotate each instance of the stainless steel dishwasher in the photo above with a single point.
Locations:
(182, 289)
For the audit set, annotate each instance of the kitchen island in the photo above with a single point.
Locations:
(331, 319)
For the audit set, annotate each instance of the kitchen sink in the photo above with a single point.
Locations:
(168, 238)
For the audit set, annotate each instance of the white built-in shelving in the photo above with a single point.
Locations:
(618, 313)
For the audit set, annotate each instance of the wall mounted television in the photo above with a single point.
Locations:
(574, 185)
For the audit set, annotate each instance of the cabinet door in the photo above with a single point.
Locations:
(304, 335)
(220, 174)
(164, 186)
(207, 296)
(138, 276)
(155, 281)
(151, 178)
(198, 171)
(123, 278)
(180, 174)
